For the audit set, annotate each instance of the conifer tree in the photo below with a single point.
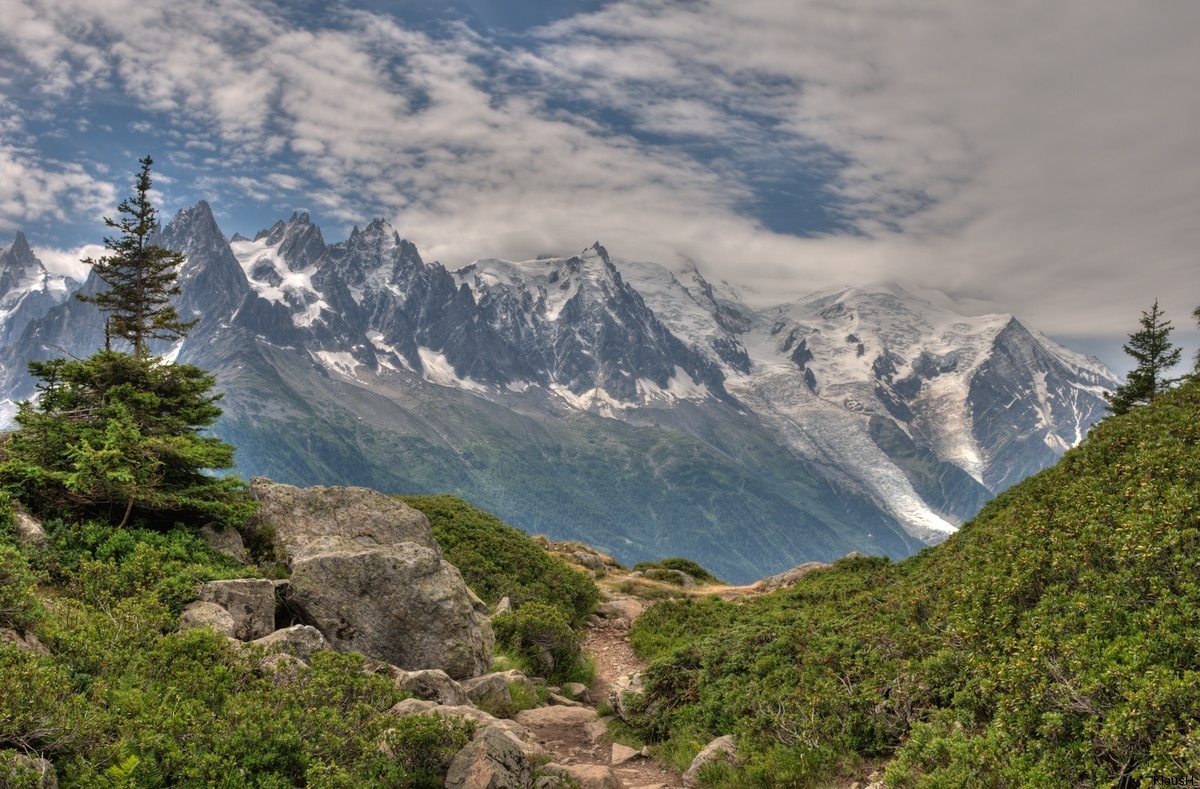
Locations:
(1154, 353)
(120, 433)
(140, 275)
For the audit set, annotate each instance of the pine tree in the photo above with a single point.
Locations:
(140, 275)
(120, 433)
(1154, 353)
(1196, 367)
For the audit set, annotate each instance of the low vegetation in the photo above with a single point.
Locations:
(693, 569)
(1054, 640)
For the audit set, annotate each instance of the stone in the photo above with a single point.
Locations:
(299, 641)
(206, 614)
(18, 769)
(589, 560)
(367, 572)
(555, 716)
(280, 668)
(623, 692)
(576, 690)
(489, 691)
(720, 748)
(623, 608)
(623, 753)
(490, 761)
(562, 701)
(788, 578)
(27, 529)
(24, 642)
(511, 729)
(587, 776)
(226, 541)
(503, 607)
(667, 575)
(431, 684)
(250, 601)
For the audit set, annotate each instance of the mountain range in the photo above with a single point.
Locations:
(645, 411)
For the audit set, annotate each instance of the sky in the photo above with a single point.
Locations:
(1038, 157)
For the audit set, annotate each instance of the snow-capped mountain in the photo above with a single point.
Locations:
(644, 410)
(27, 290)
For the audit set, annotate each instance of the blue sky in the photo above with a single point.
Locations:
(1028, 157)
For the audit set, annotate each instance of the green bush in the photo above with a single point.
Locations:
(498, 561)
(693, 569)
(424, 746)
(541, 639)
(19, 606)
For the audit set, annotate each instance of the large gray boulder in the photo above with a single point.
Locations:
(299, 641)
(202, 613)
(490, 761)
(250, 601)
(367, 572)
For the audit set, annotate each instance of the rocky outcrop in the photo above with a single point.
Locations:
(206, 614)
(24, 642)
(512, 729)
(226, 541)
(722, 748)
(430, 684)
(299, 641)
(490, 761)
(788, 578)
(367, 572)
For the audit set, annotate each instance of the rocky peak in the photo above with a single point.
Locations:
(19, 267)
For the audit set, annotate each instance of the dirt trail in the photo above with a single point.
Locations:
(587, 743)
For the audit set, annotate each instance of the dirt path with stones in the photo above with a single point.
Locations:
(574, 737)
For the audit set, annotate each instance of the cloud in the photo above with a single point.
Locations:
(1039, 158)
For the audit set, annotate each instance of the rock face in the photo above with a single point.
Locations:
(492, 761)
(368, 574)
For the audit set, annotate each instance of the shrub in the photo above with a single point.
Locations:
(19, 606)
(693, 569)
(424, 746)
(541, 638)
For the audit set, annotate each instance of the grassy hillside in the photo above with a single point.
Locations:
(1054, 640)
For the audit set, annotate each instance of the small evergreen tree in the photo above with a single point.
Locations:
(1196, 367)
(1154, 353)
(119, 433)
(140, 275)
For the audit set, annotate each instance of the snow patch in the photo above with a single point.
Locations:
(597, 400)
(438, 370)
(389, 352)
(339, 361)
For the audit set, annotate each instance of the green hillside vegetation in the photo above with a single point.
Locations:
(1052, 641)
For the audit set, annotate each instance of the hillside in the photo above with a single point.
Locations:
(1054, 640)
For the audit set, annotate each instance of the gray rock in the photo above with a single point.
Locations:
(589, 560)
(431, 684)
(503, 607)
(576, 690)
(623, 692)
(226, 541)
(490, 761)
(670, 576)
(562, 701)
(720, 748)
(625, 609)
(788, 578)
(302, 519)
(27, 528)
(367, 572)
(250, 601)
(18, 769)
(555, 717)
(494, 690)
(587, 776)
(26, 642)
(511, 729)
(623, 753)
(280, 668)
(299, 641)
(206, 614)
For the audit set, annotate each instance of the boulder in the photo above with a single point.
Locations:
(367, 572)
(720, 748)
(589, 560)
(562, 701)
(503, 607)
(624, 609)
(493, 691)
(511, 729)
(788, 578)
(667, 575)
(299, 641)
(576, 690)
(490, 761)
(27, 528)
(226, 541)
(250, 601)
(555, 717)
(205, 614)
(586, 776)
(280, 668)
(24, 642)
(18, 769)
(430, 684)
(623, 753)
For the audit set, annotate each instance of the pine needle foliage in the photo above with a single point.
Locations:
(1155, 355)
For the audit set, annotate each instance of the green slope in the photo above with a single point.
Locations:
(1053, 641)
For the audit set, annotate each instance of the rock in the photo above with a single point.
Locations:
(18, 769)
(206, 614)
(624, 691)
(597, 729)
(623, 608)
(555, 716)
(489, 691)
(513, 730)
(788, 578)
(576, 690)
(623, 753)
(587, 776)
(563, 701)
(667, 575)
(26, 642)
(250, 601)
(430, 684)
(281, 668)
(304, 518)
(720, 748)
(226, 541)
(490, 761)
(503, 607)
(589, 560)
(27, 529)
(637, 574)
(299, 641)
(368, 574)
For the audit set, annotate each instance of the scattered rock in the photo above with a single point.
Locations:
(226, 541)
(624, 691)
(624, 609)
(490, 761)
(250, 601)
(206, 614)
(623, 753)
(299, 641)
(788, 578)
(26, 527)
(720, 748)
(587, 776)
(368, 573)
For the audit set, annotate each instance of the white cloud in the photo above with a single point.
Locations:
(70, 261)
(36, 190)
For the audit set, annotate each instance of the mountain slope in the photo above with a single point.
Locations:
(642, 410)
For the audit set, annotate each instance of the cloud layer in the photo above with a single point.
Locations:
(1038, 158)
